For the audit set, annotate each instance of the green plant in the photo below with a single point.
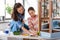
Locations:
(8, 9)
(17, 33)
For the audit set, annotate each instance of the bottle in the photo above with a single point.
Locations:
(38, 33)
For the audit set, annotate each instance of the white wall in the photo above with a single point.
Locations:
(19, 1)
(2, 7)
(31, 3)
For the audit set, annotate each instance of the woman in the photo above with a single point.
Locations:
(32, 20)
(18, 19)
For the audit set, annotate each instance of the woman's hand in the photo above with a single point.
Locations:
(24, 21)
(33, 32)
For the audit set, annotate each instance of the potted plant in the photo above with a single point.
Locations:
(16, 32)
(8, 9)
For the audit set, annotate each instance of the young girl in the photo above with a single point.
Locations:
(32, 20)
(18, 19)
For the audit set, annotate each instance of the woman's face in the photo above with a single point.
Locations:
(20, 10)
(32, 13)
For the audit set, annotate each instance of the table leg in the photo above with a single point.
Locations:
(25, 39)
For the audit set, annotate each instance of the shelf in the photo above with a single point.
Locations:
(45, 26)
(54, 30)
(45, 18)
(44, 23)
(45, 29)
(56, 18)
(52, 15)
(57, 29)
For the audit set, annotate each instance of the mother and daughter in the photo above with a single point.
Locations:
(18, 20)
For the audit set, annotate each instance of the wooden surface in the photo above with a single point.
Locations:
(39, 14)
(49, 14)
(30, 39)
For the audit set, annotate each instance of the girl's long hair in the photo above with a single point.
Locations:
(14, 13)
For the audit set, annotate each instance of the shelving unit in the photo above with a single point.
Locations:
(48, 13)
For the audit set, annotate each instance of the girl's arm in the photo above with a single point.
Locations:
(28, 32)
(25, 30)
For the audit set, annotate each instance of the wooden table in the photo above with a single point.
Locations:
(29, 37)
(25, 37)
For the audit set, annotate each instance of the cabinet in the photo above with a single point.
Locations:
(49, 18)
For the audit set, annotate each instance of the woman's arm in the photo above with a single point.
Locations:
(25, 30)
(28, 32)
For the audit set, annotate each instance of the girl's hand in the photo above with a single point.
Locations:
(33, 32)
(23, 21)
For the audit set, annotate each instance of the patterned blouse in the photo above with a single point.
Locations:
(33, 22)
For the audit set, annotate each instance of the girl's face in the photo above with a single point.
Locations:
(32, 13)
(20, 10)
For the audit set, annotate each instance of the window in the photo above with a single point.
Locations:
(19, 1)
(11, 4)
(27, 3)
(4, 4)
(31, 3)
(2, 8)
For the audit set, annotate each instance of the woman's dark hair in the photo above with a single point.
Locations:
(30, 8)
(14, 13)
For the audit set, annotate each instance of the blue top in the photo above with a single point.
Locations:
(16, 24)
